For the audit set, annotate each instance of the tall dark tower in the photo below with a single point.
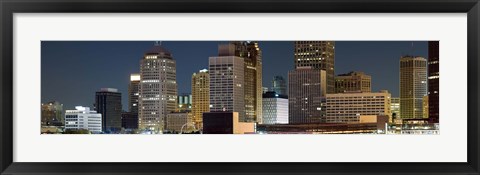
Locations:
(108, 102)
(252, 57)
(318, 55)
(433, 81)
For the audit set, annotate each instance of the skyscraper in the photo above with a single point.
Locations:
(413, 86)
(200, 96)
(279, 85)
(252, 58)
(227, 82)
(133, 93)
(108, 102)
(433, 81)
(318, 55)
(306, 95)
(353, 82)
(158, 88)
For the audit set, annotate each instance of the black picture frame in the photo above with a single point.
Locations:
(9, 7)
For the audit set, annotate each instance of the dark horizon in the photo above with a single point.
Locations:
(72, 71)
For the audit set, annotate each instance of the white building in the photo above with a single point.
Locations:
(158, 89)
(275, 108)
(83, 118)
(348, 107)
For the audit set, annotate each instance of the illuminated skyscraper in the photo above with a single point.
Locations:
(353, 82)
(425, 106)
(133, 93)
(158, 88)
(252, 58)
(433, 81)
(318, 55)
(279, 85)
(108, 102)
(413, 86)
(227, 82)
(200, 96)
(306, 95)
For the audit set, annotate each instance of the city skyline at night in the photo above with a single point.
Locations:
(73, 70)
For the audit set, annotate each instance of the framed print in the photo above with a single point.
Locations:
(239, 87)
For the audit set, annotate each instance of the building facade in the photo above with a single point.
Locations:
(433, 81)
(129, 120)
(226, 123)
(279, 85)
(83, 118)
(184, 103)
(158, 88)
(395, 108)
(413, 86)
(425, 106)
(252, 59)
(306, 95)
(275, 108)
(52, 114)
(348, 107)
(133, 93)
(227, 83)
(353, 82)
(200, 96)
(179, 122)
(108, 102)
(318, 55)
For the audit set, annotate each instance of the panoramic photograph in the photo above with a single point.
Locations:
(240, 87)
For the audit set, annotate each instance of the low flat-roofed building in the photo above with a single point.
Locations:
(225, 123)
(178, 122)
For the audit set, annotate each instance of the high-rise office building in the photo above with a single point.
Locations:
(318, 55)
(133, 93)
(252, 59)
(275, 108)
(348, 107)
(52, 114)
(353, 82)
(200, 96)
(433, 81)
(227, 82)
(108, 102)
(83, 118)
(184, 103)
(279, 85)
(413, 86)
(158, 88)
(306, 95)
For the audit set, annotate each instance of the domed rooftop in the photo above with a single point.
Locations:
(158, 49)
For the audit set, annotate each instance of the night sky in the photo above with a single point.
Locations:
(72, 71)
